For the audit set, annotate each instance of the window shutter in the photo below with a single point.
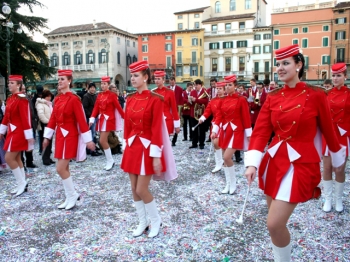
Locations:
(224, 44)
(94, 57)
(274, 61)
(58, 61)
(99, 58)
(336, 21)
(63, 58)
(306, 66)
(107, 57)
(75, 59)
(68, 59)
(210, 46)
(344, 34)
(51, 61)
(165, 47)
(336, 35)
(259, 49)
(87, 58)
(344, 20)
(81, 58)
(328, 60)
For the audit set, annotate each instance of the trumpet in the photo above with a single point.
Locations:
(257, 98)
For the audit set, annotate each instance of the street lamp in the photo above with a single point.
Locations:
(107, 46)
(318, 72)
(8, 34)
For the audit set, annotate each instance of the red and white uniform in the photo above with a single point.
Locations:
(212, 109)
(253, 107)
(339, 103)
(290, 169)
(143, 133)
(17, 121)
(233, 117)
(109, 112)
(171, 115)
(69, 122)
(202, 101)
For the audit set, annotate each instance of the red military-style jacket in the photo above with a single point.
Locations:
(212, 108)
(202, 101)
(253, 107)
(178, 94)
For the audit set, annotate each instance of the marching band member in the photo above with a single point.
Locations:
(72, 134)
(169, 108)
(212, 109)
(110, 114)
(17, 121)
(255, 101)
(339, 103)
(233, 117)
(199, 99)
(289, 172)
(145, 144)
(186, 112)
(212, 94)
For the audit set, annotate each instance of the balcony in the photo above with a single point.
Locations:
(188, 61)
(87, 67)
(221, 74)
(229, 32)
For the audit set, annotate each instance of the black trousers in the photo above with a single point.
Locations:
(198, 134)
(174, 139)
(187, 123)
(46, 154)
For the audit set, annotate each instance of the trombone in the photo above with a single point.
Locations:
(257, 98)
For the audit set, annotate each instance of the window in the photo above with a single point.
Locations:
(127, 42)
(145, 58)
(196, 15)
(274, 62)
(128, 59)
(133, 44)
(66, 59)
(200, 42)
(118, 58)
(256, 67)
(134, 59)
(214, 45)
(201, 70)
(90, 41)
(267, 49)
(179, 17)
(241, 26)
(340, 35)
(228, 27)
(179, 57)
(295, 41)
(168, 37)
(242, 44)
(145, 39)
(196, 25)
(168, 47)
(276, 44)
(194, 70)
(257, 37)
(232, 5)
(325, 41)
(305, 29)
(78, 59)
(168, 61)
(340, 20)
(179, 26)
(217, 7)
(267, 36)
(326, 59)
(144, 48)
(77, 43)
(214, 27)
(90, 57)
(340, 55)
(118, 40)
(326, 28)
(194, 57)
(295, 30)
(306, 66)
(267, 66)
(179, 42)
(103, 56)
(304, 43)
(178, 70)
(64, 43)
(228, 44)
(214, 64)
(103, 40)
(248, 4)
(195, 41)
(241, 63)
(54, 60)
(341, 11)
(227, 64)
(276, 32)
(256, 50)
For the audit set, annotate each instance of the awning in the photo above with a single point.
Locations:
(84, 80)
(51, 82)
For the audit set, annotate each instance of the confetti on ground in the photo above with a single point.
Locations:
(198, 222)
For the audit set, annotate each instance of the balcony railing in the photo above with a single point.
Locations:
(188, 61)
(87, 67)
(227, 73)
(229, 32)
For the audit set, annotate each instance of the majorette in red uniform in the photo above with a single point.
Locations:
(146, 144)
(339, 103)
(289, 172)
(171, 115)
(110, 114)
(17, 124)
(72, 134)
(233, 117)
(212, 110)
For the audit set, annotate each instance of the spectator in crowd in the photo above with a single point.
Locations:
(113, 88)
(38, 94)
(328, 84)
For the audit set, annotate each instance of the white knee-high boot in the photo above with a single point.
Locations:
(218, 161)
(71, 195)
(110, 161)
(338, 192)
(227, 177)
(327, 192)
(155, 218)
(282, 254)
(143, 223)
(14, 191)
(21, 181)
(231, 171)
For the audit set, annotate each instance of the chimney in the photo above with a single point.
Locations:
(94, 23)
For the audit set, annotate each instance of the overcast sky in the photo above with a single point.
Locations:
(135, 16)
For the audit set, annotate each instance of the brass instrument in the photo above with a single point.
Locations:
(204, 95)
(186, 107)
(199, 109)
(257, 98)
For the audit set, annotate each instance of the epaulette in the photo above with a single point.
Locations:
(275, 91)
(317, 88)
(157, 95)
(130, 94)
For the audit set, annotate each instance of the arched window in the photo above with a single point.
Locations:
(90, 57)
(217, 7)
(66, 58)
(128, 59)
(134, 59)
(78, 58)
(232, 5)
(54, 60)
(103, 56)
(118, 58)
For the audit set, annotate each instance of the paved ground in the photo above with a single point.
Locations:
(199, 223)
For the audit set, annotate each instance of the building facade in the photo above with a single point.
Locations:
(310, 26)
(262, 53)
(191, 19)
(92, 51)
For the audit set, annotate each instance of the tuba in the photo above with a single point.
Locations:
(199, 109)
(257, 98)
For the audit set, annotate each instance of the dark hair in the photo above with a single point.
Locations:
(70, 78)
(189, 84)
(172, 78)
(260, 84)
(241, 85)
(148, 73)
(198, 82)
(213, 80)
(253, 79)
(300, 58)
(327, 82)
(46, 93)
(266, 82)
(39, 89)
(91, 85)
